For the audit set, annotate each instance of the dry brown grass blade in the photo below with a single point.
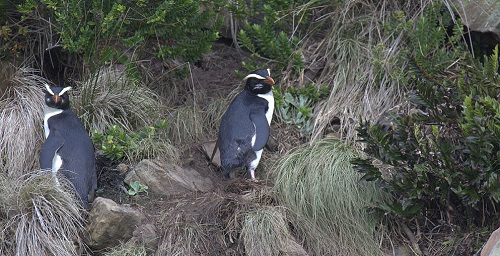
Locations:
(21, 120)
(109, 97)
(358, 87)
(40, 217)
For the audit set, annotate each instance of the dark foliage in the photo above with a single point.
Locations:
(442, 160)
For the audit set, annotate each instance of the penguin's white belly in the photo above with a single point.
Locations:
(48, 113)
(269, 114)
(270, 104)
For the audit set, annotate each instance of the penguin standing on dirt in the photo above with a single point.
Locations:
(68, 148)
(244, 128)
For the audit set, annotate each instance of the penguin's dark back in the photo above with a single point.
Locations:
(236, 120)
(236, 129)
(77, 142)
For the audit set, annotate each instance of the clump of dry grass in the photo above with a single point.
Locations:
(185, 237)
(38, 216)
(318, 184)
(21, 120)
(265, 231)
(108, 97)
(154, 146)
(355, 40)
(127, 249)
(198, 119)
(187, 125)
(190, 227)
(211, 223)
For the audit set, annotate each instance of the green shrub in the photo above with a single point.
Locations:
(272, 31)
(444, 156)
(101, 30)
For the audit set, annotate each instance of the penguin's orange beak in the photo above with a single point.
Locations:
(56, 98)
(269, 80)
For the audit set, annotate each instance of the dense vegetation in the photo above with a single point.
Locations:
(440, 160)
(415, 109)
(445, 152)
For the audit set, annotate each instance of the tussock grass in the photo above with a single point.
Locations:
(158, 146)
(197, 121)
(38, 216)
(318, 184)
(108, 97)
(184, 233)
(128, 249)
(211, 223)
(355, 41)
(214, 110)
(265, 231)
(187, 125)
(21, 120)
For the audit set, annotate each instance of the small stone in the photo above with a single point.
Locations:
(111, 224)
(208, 148)
(146, 235)
(122, 169)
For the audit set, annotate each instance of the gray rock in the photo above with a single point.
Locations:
(292, 248)
(111, 224)
(146, 235)
(480, 15)
(208, 148)
(492, 247)
(168, 179)
(122, 169)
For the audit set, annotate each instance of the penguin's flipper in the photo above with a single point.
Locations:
(53, 143)
(259, 120)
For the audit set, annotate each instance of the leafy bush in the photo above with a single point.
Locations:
(270, 31)
(444, 155)
(100, 30)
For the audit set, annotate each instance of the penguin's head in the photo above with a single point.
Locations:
(56, 96)
(259, 81)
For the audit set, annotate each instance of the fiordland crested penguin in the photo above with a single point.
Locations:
(245, 126)
(67, 148)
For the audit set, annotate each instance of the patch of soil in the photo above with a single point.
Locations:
(215, 73)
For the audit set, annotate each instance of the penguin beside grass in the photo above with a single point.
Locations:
(68, 148)
(245, 126)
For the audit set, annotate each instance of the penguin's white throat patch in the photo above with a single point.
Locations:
(270, 104)
(48, 113)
